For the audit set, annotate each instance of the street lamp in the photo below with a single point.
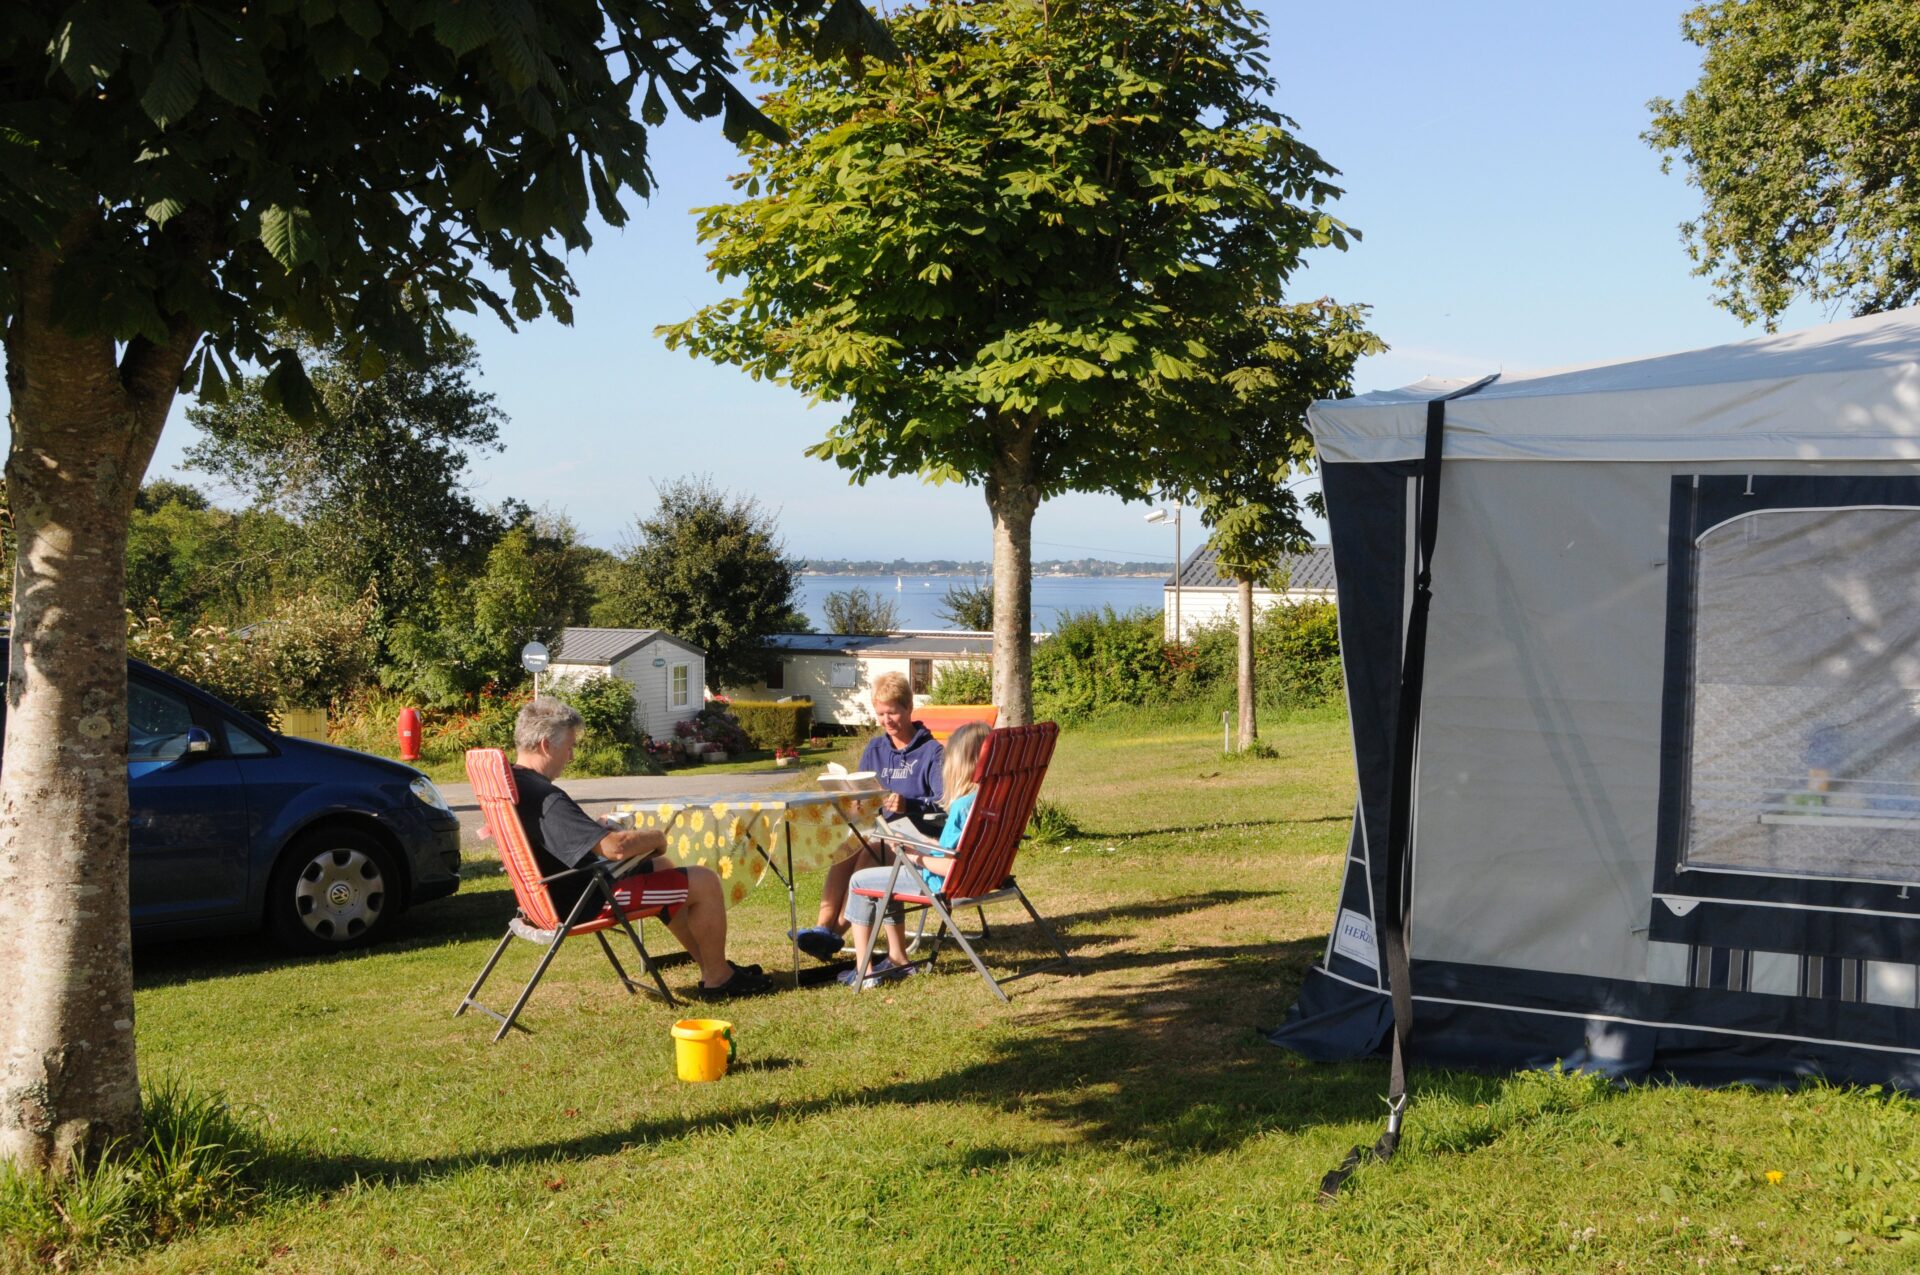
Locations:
(1161, 515)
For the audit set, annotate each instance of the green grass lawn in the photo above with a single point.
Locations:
(1128, 1117)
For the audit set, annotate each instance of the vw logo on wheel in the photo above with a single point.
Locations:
(339, 894)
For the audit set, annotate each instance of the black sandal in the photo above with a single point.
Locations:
(743, 983)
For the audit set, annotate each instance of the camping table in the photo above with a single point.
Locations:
(736, 835)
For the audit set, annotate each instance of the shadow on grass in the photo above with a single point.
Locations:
(483, 914)
(1094, 834)
(1169, 1067)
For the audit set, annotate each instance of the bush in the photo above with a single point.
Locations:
(1097, 660)
(774, 725)
(210, 656)
(969, 683)
(1296, 657)
(605, 705)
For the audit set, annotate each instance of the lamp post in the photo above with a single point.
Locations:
(1161, 515)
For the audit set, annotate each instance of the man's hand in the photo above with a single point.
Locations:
(893, 803)
(632, 845)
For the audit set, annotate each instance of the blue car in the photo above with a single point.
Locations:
(235, 828)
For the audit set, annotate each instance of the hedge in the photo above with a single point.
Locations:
(787, 724)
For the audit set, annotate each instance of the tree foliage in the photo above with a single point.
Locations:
(532, 584)
(968, 606)
(380, 497)
(1009, 254)
(860, 611)
(1803, 137)
(1281, 357)
(707, 567)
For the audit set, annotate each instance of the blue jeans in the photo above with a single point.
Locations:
(862, 910)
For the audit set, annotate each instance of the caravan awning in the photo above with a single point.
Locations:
(1845, 391)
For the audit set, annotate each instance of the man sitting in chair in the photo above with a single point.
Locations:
(906, 759)
(564, 836)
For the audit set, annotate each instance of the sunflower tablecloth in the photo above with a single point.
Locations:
(727, 832)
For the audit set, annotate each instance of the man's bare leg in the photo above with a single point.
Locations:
(701, 926)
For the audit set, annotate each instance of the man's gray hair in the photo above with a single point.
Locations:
(543, 720)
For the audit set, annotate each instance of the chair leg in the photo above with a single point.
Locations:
(646, 964)
(526, 992)
(1045, 929)
(485, 970)
(978, 964)
(618, 969)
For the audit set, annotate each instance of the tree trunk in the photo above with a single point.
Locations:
(1013, 496)
(84, 428)
(1249, 730)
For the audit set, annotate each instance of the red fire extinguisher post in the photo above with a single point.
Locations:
(409, 731)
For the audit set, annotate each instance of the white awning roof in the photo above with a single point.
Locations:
(1845, 391)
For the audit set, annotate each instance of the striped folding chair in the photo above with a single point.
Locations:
(1013, 762)
(536, 921)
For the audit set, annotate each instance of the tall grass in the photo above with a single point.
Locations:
(197, 1160)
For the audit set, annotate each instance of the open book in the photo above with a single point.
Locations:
(901, 829)
(839, 779)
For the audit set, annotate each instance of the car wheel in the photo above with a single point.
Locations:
(333, 888)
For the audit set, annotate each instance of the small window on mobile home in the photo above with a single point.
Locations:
(777, 675)
(679, 686)
(843, 675)
(920, 672)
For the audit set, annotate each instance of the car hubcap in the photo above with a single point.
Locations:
(339, 895)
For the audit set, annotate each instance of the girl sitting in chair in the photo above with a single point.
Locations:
(963, 755)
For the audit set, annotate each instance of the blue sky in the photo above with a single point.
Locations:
(1512, 218)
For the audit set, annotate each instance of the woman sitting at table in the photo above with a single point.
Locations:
(906, 759)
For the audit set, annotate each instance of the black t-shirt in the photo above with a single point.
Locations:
(562, 835)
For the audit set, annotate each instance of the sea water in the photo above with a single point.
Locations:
(919, 598)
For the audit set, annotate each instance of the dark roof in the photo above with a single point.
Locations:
(897, 645)
(607, 646)
(1311, 572)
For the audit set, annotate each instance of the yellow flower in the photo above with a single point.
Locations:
(708, 841)
(726, 866)
(701, 862)
(1775, 1176)
(698, 821)
(739, 891)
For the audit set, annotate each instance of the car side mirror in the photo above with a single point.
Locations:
(199, 740)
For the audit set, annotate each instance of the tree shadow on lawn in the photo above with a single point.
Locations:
(483, 915)
(1136, 834)
(1157, 1052)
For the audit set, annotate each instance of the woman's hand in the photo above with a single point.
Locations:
(893, 803)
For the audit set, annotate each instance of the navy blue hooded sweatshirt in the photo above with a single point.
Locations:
(913, 771)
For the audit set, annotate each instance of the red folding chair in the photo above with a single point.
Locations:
(1013, 763)
(537, 921)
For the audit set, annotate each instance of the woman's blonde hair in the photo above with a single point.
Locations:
(963, 754)
(895, 689)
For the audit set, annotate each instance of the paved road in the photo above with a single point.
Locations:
(600, 796)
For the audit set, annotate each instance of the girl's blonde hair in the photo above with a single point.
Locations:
(963, 754)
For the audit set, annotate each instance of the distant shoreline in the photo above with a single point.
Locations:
(967, 575)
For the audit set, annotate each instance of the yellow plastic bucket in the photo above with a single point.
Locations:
(702, 1048)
